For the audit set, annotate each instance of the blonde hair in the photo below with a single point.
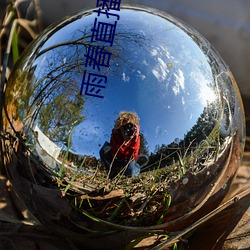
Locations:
(126, 117)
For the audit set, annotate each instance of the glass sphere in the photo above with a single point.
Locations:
(119, 122)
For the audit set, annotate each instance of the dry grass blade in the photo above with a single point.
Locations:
(28, 25)
(11, 36)
(13, 19)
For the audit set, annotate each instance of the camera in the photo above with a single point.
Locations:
(128, 129)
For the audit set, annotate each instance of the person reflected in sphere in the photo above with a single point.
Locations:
(120, 155)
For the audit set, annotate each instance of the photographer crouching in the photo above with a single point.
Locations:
(120, 155)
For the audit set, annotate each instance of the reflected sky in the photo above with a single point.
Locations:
(156, 70)
(167, 87)
(191, 120)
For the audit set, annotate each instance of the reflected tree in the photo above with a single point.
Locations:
(203, 127)
(204, 136)
(144, 146)
(58, 116)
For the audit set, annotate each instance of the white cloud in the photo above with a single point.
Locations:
(183, 101)
(161, 70)
(141, 75)
(145, 62)
(154, 52)
(124, 78)
(206, 93)
(179, 82)
(159, 132)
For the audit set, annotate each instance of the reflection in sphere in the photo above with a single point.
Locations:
(139, 127)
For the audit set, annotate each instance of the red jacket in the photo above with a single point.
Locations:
(126, 151)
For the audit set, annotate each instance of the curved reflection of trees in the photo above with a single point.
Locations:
(199, 144)
(203, 127)
(74, 51)
(143, 146)
(58, 70)
(54, 102)
(56, 117)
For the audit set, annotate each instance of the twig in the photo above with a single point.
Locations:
(5, 64)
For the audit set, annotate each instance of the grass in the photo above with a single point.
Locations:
(139, 201)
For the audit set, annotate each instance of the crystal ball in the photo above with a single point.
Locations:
(119, 122)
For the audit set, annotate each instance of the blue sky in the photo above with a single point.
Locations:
(156, 70)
